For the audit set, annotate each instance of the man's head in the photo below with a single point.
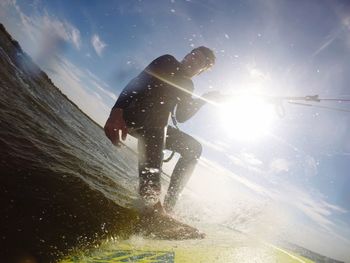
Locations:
(198, 60)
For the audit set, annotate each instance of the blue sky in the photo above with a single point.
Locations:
(281, 48)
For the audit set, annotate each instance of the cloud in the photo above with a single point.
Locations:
(236, 160)
(46, 34)
(80, 88)
(102, 86)
(41, 35)
(250, 159)
(219, 170)
(345, 22)
(334, 207)
(310, 166)
(218, 146)
(314, 206)
(282, 197)
(257, 74)
(320, 241)
(278, 165)
(44, 26)
(247, 161)
(98, 44)
(62, 29)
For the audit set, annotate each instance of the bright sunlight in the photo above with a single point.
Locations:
(247, 117)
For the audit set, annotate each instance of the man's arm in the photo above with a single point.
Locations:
(188, 106)
(127, 95)
(116, 125)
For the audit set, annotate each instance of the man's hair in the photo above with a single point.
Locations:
(208, 53)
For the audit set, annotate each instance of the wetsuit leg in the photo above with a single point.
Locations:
(190, 150)
(151, 143)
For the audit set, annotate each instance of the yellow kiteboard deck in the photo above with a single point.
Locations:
(220, 245)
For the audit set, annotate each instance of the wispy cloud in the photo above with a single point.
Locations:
(247, 161)
(45, 34)
(214, 146)
(219, 170)
(310, 166)
(62, 29)
(278, 165)
(345, 21)
(98, 44)
(311, 204)
(40, 34)
(74, 82)
(251, 159)
(257, 74)
(321, 241)
(43, 26)
(101, 85)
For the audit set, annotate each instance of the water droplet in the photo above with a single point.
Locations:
(153, 170)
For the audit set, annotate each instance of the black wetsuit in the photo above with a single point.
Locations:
(148, 101)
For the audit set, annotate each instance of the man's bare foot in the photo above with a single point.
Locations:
(153, 210)
(155, 222)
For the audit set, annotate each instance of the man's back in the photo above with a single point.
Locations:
(154, 93)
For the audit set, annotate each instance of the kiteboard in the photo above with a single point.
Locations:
(221, 245)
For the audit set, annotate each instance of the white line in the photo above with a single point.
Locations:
(285, 252)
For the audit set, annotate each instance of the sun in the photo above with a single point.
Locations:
(247, 118)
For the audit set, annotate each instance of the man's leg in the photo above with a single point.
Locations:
(150, 147)
(190, 150)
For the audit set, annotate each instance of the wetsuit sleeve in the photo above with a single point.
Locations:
(125, 97)
(168, 69)
(187, 106)
(165, 64)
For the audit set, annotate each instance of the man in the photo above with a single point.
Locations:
(143, 109)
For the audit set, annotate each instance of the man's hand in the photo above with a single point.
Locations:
(114, 125)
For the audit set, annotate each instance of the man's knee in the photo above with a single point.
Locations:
(194, 150)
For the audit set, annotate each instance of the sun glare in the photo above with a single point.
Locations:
(247, 118)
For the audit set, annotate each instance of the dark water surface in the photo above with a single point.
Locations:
(61, 180)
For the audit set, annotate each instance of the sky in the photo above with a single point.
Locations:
(293, 175)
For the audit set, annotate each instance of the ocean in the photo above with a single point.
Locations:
(61, 179)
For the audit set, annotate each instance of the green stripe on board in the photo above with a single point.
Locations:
(136, 256)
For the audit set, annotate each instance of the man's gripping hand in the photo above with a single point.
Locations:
(116, 125)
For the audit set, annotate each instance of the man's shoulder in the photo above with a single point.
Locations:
(164, 65)
(165, 59)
